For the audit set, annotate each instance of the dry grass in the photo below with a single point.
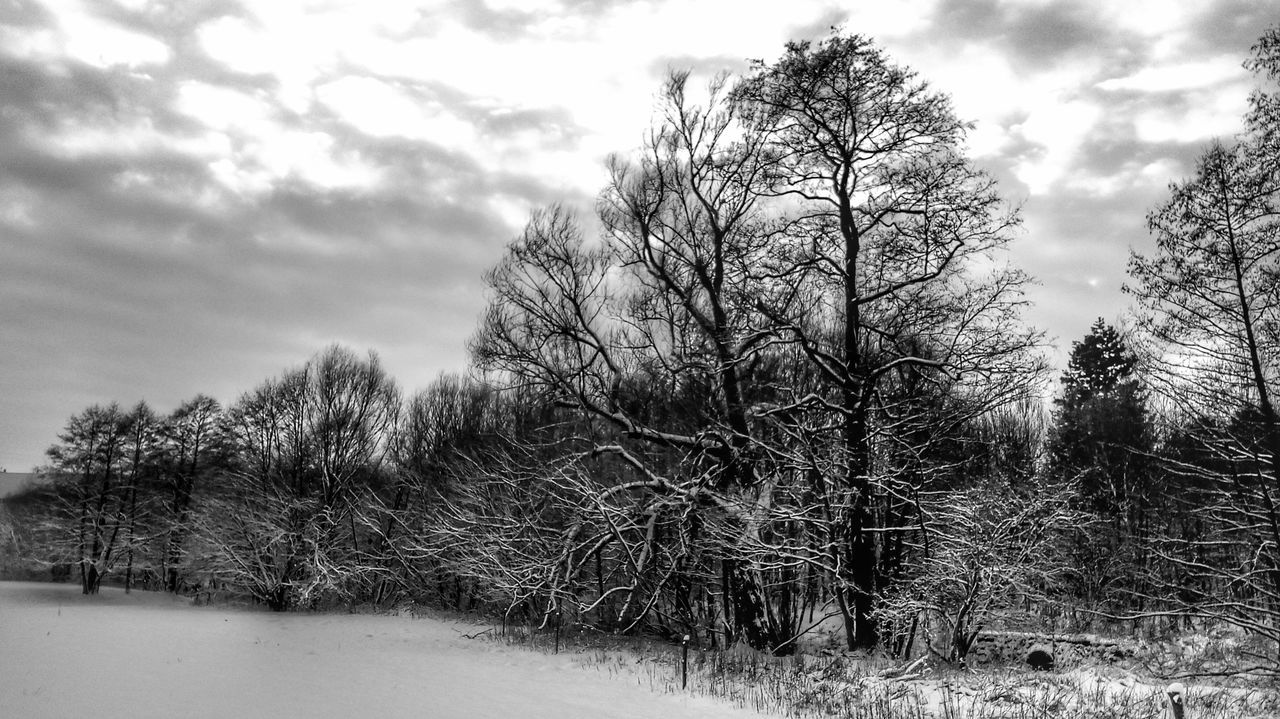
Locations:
(837, 686)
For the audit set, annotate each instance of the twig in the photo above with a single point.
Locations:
(906, 671)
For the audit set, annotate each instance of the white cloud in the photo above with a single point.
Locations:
(379, 109)
(16, 207)
(1212, 72)
(261, 164)
(223, 108)
(988, 103)
(513, 211)
(1059, 130)
(1163, 23)
(83, 35)
(294, 52)
(889, 19)
(313, 157)
(531, 6)
(41, 44)
(239, 179)
(128, 136)
(105, 45)
(257, 150)
(419, 71)
(1203, 116)
(364, 67)
(241, 46)
(1160, 171)
(987, 139)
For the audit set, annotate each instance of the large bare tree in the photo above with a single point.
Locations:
(86, 524)
(796, 277)
(1210, 303)
(657, 313)
(890, 244)
(191, 438)
(289, 524)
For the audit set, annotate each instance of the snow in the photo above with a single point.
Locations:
(153, 655)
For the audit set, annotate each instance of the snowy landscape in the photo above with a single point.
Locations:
(472, 360)
(150, 654)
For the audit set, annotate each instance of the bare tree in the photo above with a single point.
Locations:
(142, 447)
(659, 315)
(758, 324)
(890, 251)
(351, 411)
(84, 525)
(191, 438)
(1210, 300)
(288, 525)
(1209, 293)
(983, 551)
(454, 421)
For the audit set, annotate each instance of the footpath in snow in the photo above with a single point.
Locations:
(153, 655)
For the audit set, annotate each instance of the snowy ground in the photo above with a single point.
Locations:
(152, 655)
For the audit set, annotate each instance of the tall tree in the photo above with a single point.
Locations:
(890, 241)
(662, 303)
(352, 408)
(455, 420)
(85, 528)
(141, 450)
(1209, 292)
(1103, 435)
(289, 524)
(811, 265)
(1102, 443)
(1210, 299)
(193, 442)
(1262, 123)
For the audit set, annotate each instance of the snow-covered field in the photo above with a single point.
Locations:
(153, 655)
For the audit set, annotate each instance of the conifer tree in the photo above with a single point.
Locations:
(1101, 443)
(1103, 433)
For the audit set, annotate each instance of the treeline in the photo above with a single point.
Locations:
(782, 374)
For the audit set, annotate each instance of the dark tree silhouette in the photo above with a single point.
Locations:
(1103, 435)
(86, 524)
(1102, 443)
(1210, 300)
(811, 258)
(886, 252)
(290, 523)
(192, 447)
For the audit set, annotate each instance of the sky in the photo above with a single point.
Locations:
(196, 195)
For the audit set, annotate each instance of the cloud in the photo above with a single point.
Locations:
(1174, 76)
(77, 34)
(1032, 35)
(187, 229)
(195, 195)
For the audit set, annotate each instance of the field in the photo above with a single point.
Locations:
(152, 655)
(155, 655)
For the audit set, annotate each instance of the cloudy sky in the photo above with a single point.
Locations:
(198, 194)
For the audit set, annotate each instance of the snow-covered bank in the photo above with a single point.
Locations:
(151, 655)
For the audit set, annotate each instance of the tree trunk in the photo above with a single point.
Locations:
(90, 578)
(746, 607)
(862, 561)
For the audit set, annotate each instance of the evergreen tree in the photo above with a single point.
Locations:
(1103, 434)
(1101, 443)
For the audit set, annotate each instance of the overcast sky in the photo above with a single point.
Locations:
(198, 194)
